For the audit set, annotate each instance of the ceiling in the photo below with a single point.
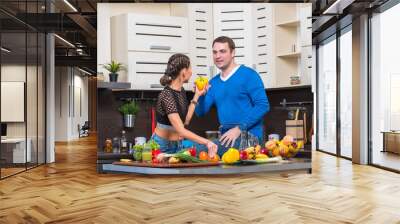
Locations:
(76, 23)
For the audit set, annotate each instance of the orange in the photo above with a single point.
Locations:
(203, 156)
(214, 159)
(276, 151)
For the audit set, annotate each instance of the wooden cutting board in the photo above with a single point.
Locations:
(166, 165)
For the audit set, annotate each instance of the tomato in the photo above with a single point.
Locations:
(203, 156)
(155, 153)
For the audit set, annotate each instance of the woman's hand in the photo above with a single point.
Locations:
(212, 149)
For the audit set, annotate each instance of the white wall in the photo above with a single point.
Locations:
(33, 126)
(61, 103)
(71, 93)
(12, 73)
(104, 13)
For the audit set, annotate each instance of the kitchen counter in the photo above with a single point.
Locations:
(297, 164)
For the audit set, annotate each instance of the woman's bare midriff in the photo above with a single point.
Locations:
(167, 134)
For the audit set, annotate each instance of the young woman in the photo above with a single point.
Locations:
(173, 110)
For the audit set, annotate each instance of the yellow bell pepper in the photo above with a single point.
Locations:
(231, 156)
(201, 82)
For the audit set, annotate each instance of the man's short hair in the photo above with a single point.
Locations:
(224, 39)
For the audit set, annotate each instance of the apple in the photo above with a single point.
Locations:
(287, 140)
(264, 151)
(243, 155)
(270, 145)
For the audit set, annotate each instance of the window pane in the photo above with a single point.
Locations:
(346, 94)
(385, 84)
(327, 97)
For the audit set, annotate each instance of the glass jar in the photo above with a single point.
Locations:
(108, 145)
(137, 153)
(146, 153)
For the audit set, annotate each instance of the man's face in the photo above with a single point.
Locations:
(222, 55)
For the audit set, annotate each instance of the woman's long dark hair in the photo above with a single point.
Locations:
(176, 63)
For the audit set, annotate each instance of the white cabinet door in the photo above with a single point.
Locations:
(305, 25)
(263, 42)
(306, 43)
(146, 69)
(157, 33)
(200, 16)
(235, 21)
(306, 65)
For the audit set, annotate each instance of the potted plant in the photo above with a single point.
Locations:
(113, 67)
(129, 110)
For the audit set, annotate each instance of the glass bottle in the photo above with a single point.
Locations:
(116, 145)
(124, 144)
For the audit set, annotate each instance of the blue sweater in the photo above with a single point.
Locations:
(240, 100)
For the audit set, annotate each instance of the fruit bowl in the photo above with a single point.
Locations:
(286, 148)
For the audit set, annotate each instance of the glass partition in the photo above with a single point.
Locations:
(327, 96)
(22, 67)
(346, 93)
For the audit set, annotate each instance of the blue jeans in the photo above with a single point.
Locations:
(167, 146)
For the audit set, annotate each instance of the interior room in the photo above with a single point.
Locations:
(141, 111)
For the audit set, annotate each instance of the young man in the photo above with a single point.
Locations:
(238, 94)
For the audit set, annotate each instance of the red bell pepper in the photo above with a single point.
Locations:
(192, 151)
(155, 152)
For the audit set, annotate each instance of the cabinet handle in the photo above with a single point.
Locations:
(156, 86)
(158, 47)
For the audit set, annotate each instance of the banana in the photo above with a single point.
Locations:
(250, 150)
(261, 156)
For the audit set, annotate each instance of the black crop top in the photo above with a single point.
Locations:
(171, 101)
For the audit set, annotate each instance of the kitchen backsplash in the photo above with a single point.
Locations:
(110, 121)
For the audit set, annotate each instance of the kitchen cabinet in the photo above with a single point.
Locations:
(235, 21)
(263, 56)
(293, 50)
(306, 43)
(144, 43)
(200, 16)
(146, 69)
(273, 39)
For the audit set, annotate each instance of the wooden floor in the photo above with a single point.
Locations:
(386, 159)
(70, 191)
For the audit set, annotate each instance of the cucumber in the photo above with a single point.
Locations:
(187, 158)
